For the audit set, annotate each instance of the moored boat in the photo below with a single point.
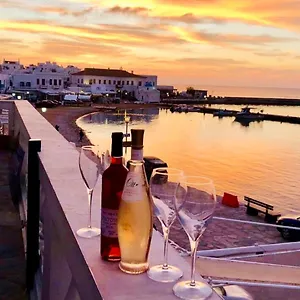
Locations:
(247, 115)
(224, 113)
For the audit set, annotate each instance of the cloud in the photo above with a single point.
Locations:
(128, 10)
(63, 11)
(273, 53)
(128, 36)
(226, 39)
(50, 9)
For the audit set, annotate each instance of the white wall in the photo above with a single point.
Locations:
(39, 81)
(4, 81)
(148, 95)
(108, 82)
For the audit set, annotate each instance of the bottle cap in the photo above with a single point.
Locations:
(117, 144)
(137, 138)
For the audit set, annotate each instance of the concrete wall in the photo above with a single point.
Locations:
(71, 266)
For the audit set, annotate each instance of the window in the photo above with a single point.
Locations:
(109, 81)
(50, 81)
(119, 82)
(127, 82)
(140, 83)
(38, 81)
(22, 83)
(153, 83)
(123, 82)
(55, 81)
(82, 80)
(104, 81)
(132, 82)
(43, 81)
(78, 80)
(28, 84)
(59, 82)
(91, 81)
(99, 81)
(94, 81)
(114, 82)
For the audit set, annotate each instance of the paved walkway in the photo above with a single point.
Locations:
(12, 258)
(221, 234)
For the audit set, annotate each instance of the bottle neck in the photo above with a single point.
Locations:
(116, 160)
(137, 154)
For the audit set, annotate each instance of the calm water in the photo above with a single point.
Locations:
(262, 92)
(260, 160)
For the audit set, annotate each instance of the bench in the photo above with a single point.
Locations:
(262, 207)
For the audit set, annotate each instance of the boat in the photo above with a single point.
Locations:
(224, 113)
(246, 115)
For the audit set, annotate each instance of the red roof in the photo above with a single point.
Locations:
(106, 73)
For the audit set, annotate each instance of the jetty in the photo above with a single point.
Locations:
(266, 117)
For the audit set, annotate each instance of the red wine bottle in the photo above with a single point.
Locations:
(113, 180)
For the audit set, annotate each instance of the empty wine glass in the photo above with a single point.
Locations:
(89, 166)
(194, 212)
(163, 187)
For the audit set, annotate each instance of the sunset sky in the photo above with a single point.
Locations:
(217, 42)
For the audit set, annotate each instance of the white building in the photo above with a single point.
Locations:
(10, 67)
(44, 76)
(100, 81)
(4, 82)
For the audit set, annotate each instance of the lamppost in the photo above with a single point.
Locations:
(127, 120)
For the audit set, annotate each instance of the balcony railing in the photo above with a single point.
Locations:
(70, 267)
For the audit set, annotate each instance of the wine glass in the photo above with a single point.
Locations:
(163, 187)
(89, 166)
(194, 212)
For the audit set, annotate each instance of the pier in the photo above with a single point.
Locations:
(266, 117)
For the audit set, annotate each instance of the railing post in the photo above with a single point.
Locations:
(33, 212)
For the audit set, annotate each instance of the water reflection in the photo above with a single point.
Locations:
(246, 123)
(136, 116)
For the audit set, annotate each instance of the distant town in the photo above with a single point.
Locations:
(49, 80)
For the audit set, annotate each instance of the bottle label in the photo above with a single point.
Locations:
(133, 188)
(109, 219)
(137, 154)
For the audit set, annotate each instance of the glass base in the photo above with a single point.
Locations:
(170, 274)
(133, 268)
(184, 290)
(88, 232)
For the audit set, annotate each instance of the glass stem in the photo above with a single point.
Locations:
(166, 239)
(90, 197)
(194, 247)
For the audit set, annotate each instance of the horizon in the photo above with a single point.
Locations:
(218, 43)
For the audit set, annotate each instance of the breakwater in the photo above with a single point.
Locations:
(266, 117)
(236, 101)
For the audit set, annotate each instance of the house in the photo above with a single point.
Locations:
(103, 81)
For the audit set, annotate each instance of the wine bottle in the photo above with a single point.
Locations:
(135, 213)
(113, 180)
